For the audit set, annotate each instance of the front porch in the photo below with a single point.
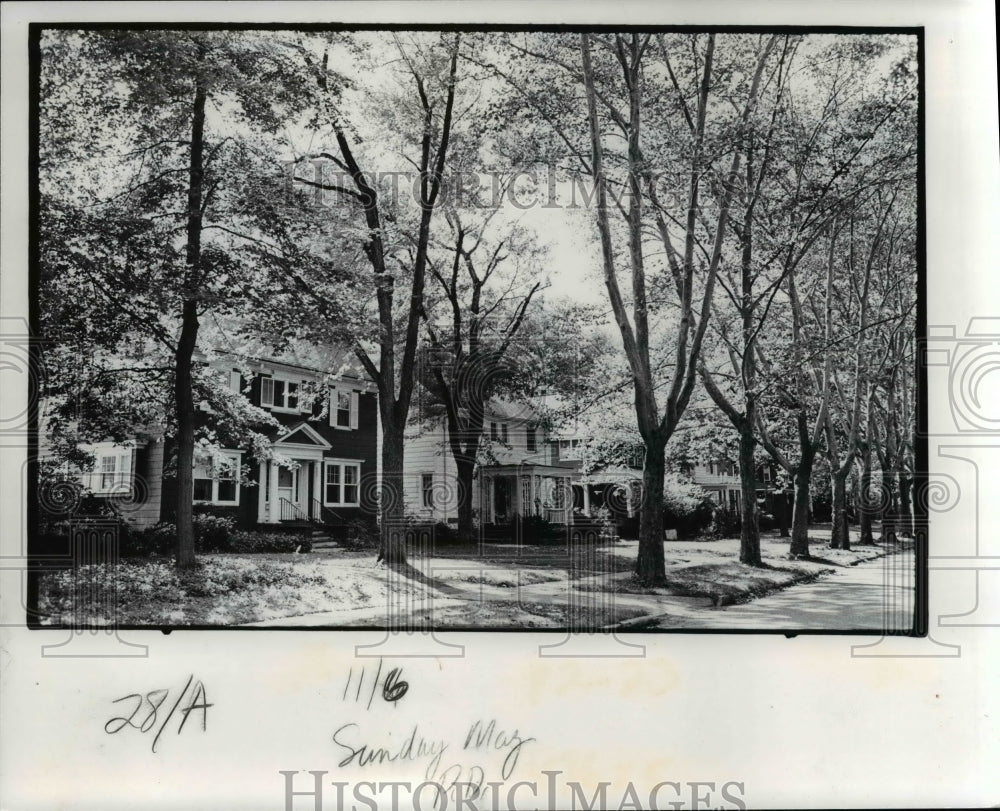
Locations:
(526, 490)
(303, 485)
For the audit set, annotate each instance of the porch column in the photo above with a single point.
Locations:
(273, 495)
(586, 498)
(315, 507)
(261, 494)
(628, 500)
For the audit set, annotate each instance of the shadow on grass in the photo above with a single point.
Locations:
(410, 572)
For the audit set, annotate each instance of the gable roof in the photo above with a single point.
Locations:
(301, 433)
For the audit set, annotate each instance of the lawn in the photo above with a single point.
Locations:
(460, 586)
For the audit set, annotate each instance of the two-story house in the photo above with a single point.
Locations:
(721, 478)
(320, 464)
(519, 472)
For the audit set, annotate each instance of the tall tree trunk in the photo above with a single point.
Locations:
(391, 498)
(781, 512)
(650, 567)
(749, 532)
(865, 509)
(188, 340)
(464, 472)
(905, 522)
(800, 511)
(840, 536)
(889, 509)
(183, 392)
(866, 506)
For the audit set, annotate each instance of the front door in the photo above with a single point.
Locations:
(288, 489)
(501, 499)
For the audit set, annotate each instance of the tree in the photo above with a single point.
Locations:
(148, 188)
(751, 307)
(391, 236)
(849, 135)
(469, 345)
(655, 425)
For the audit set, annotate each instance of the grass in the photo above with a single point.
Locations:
(221, 590)
(493, 585)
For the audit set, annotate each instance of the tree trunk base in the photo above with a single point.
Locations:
(392, 554)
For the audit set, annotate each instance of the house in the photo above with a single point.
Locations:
(519, 470)
(320, 464)
(721, 478)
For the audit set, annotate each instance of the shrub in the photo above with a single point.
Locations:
(362, 533)
(822, 508)
(766, 521)
(160, 539)
(212, 533)
(687, 507)
(725, 523)
(535, 529)
(256, 542)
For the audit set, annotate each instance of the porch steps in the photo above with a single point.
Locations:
(322, 539)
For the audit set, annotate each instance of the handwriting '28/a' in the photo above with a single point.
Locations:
(148, 712)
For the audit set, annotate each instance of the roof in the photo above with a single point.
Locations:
(227, 339)
(506, 410)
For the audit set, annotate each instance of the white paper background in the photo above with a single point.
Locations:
(801, 723)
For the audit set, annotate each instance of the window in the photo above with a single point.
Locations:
(344, 409)
(503, 433)
(108, 472)
(532, 441)
(217, 479)
(279, 394)
(112, 471)
(493, 432)
(235, 381)
(340, 487)
(427, 489)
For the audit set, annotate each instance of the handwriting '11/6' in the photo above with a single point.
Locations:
(146, 714)
(392, 684)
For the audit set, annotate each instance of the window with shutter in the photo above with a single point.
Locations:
(267, 391)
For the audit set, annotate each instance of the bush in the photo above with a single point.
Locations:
(212, 533)
(822, 508)
(535, 529)
(725, 523)
(687, 507)
(160, 539)
(250, 542)
(362, 533)
(766, 522)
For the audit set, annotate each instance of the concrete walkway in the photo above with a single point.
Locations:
(876, 595)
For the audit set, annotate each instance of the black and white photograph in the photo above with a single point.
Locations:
(525, 329)
(455, 406)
